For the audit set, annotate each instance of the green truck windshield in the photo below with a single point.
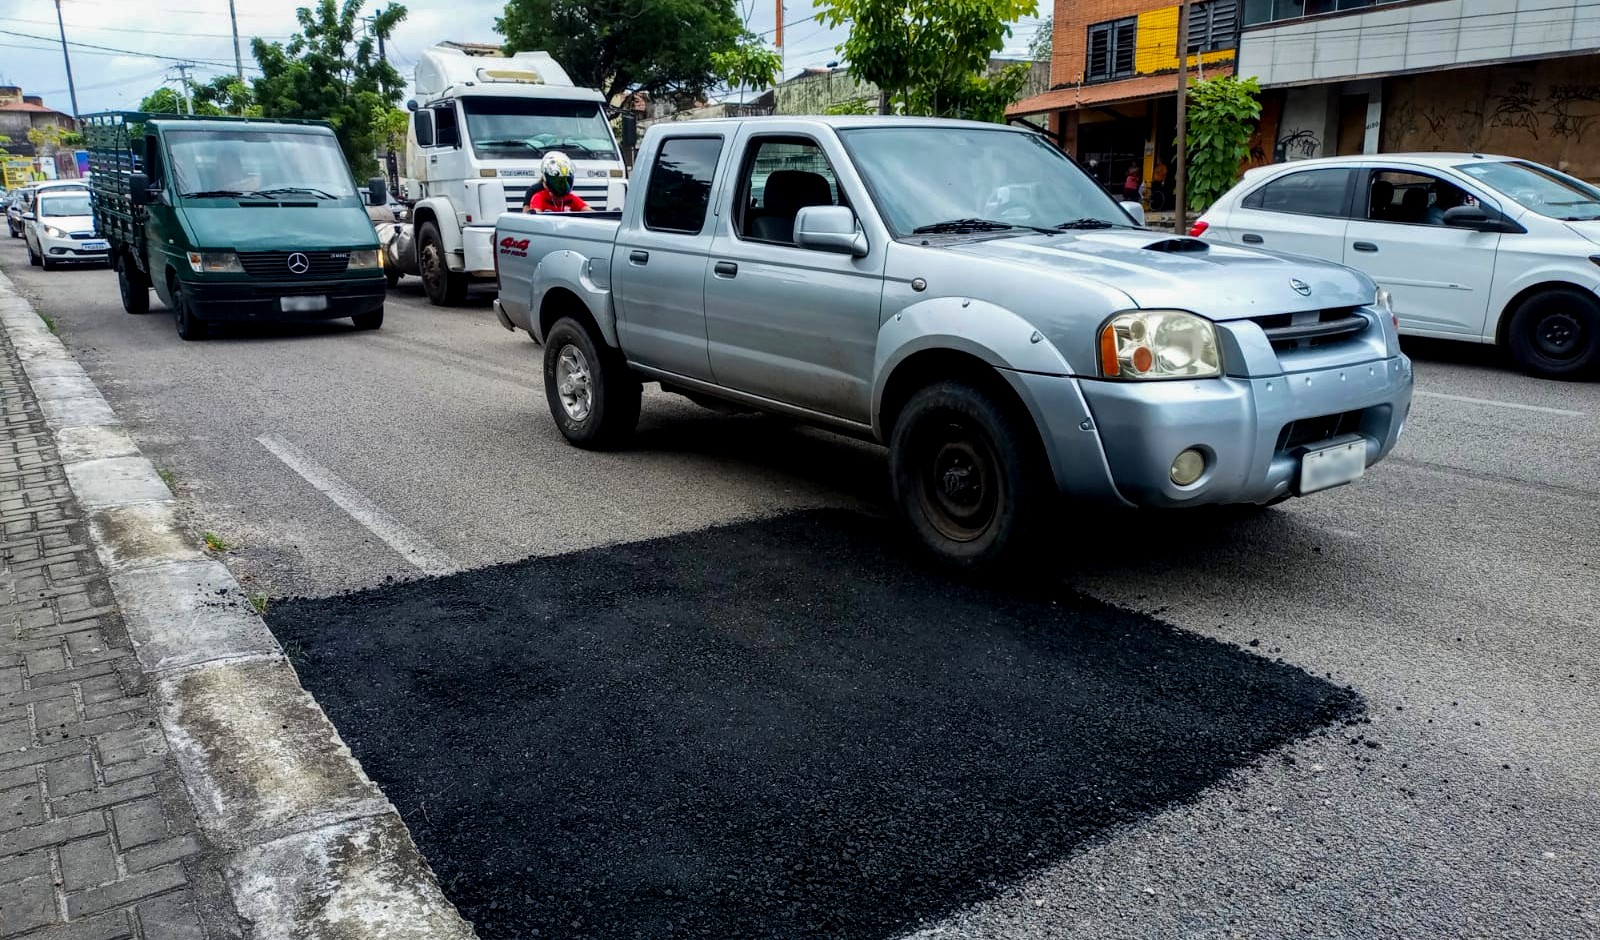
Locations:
(258, 162)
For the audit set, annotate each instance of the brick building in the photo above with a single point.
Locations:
(1112, 101)
(20, 113)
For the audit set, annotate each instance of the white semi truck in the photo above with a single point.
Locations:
(480, 123)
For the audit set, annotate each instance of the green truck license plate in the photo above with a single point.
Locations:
(302, 304)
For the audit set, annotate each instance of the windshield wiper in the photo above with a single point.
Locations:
(282, 190)
(506, 142)
(218, 194)
(1085, 223)
(958, 226)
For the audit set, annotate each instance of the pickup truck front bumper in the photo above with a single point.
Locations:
(263, 301)
(1252, 431)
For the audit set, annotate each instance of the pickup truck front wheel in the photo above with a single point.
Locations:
(967, 476)
(593, 395)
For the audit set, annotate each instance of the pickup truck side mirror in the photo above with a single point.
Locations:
(1480, 219)
(830, 228)
(139, 189)
(377, 191)
(1135, 210)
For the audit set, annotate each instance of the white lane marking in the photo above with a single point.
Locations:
(411, 546)
(1504, 404)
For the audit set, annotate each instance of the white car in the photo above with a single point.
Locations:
(60, 229)
(1472, 247)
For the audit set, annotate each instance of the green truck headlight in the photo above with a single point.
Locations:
(215, 262)
(365, 260)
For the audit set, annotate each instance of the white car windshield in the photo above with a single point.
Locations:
(64, 205)
(274, 163)
(956, 179)
(1539, 188)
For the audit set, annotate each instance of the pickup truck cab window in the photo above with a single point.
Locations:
(782, 175)
(680, 184)
(997, 175)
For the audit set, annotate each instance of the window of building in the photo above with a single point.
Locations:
(1111, 50)
(1271, 11)
(1213, 25)
(1308, 192)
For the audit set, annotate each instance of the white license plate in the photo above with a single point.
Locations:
(1333, 465)
(302, 304)
(92, 245)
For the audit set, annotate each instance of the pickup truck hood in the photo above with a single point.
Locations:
(279, 228)
(1221, 282)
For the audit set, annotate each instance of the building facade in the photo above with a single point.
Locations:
(20, 113)
(1112, 101)
(1517, 77)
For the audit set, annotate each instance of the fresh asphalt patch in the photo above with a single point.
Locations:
(774, 729)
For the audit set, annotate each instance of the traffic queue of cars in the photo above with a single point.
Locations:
(56, 222)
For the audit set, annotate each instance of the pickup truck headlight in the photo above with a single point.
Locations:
(1159, 344)
(365, 260)
(215, 262)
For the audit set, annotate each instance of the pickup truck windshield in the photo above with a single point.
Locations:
(75, 204)
(1539, 188)
(284, 163)
(530, 128)
(924, 177)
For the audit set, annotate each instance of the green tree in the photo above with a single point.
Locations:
(750, 63)
(929, 56)
(1043, 41)
(1222, 115)
(330, 71)
(170, 101)
(655, 47)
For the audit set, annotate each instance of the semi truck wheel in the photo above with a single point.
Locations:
(968, 476)
(593, 395)
(445, 288)
(131, 283)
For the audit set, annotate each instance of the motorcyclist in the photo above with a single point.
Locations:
(556, 195)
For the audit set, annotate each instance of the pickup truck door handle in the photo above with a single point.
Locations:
(1364, 246)
(1251, 238)
(725, 269)
(638, 257)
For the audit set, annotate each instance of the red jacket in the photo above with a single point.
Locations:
(542, 201)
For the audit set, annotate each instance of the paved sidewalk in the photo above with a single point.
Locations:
(97, 839)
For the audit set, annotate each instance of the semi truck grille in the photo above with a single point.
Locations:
(1312, 327)
(593, 194)
(293, 264)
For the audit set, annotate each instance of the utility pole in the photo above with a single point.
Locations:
(72, 89)
(1180, 217)
(238, 59)
(390, 167)
(183, 76)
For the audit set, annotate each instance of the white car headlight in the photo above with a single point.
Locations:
(215, 262)
(1159, 344)
(54, 232)
(367, 260)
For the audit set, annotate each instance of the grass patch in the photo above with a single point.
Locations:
(49, 322)
(258, 600)
(167, 478)
(214, 541)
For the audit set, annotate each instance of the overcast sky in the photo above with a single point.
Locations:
(140, 39)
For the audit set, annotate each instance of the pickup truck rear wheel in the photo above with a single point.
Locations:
(1556, 335)
(131, 283)
(593, 395)
(967, 475)
(445, 288)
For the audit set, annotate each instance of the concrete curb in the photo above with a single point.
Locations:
(311, 848)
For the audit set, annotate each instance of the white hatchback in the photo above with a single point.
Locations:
(60, 229)
(1472, 247)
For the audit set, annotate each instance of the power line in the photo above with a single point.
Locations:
(129, 29)
(114, 50)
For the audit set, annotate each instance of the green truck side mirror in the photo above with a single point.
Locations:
(139, 189)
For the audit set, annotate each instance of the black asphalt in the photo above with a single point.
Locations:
(774, 729)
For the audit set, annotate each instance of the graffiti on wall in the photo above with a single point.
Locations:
(1573, 109)
(1298, 144)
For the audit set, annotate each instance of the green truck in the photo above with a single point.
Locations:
(234, 219)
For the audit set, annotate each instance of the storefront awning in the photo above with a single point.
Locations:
(1131, 89)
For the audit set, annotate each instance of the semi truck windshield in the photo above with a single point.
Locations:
(522, 127)
(258, 162)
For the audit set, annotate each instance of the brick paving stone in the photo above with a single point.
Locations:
(90, 849)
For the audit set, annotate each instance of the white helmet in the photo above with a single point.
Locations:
(556, 170)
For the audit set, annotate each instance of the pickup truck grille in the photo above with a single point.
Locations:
(276, 264)
(1312, 328)
(1320, 428)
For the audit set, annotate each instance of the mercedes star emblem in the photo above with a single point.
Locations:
(300, 264)
(1300, 287)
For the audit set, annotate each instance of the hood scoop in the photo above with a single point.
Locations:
(1179, 246)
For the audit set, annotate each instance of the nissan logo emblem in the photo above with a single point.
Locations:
(1300, 287)
(300, 264)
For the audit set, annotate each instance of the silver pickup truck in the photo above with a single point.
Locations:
(966, 295)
